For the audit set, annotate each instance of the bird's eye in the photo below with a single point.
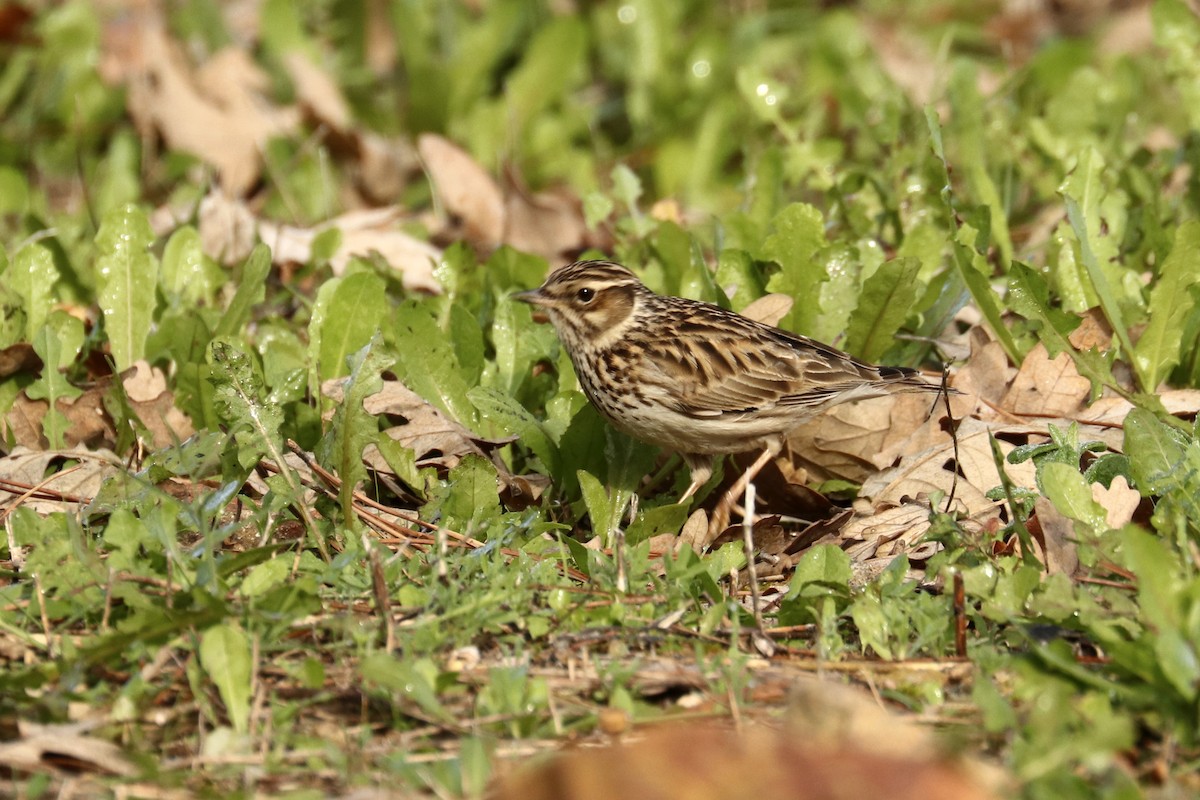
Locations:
(586, 294)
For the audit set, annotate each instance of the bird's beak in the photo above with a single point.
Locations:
(533, 297)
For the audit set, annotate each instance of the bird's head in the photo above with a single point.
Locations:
(588, 301)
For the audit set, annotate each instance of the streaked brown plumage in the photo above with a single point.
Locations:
(695, 378)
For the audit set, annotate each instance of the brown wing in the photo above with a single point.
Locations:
(721, 363)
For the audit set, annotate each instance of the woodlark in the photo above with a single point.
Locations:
(694, 378)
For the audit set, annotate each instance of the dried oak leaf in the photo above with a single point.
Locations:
(65, 747)
(465, 189)
(710, 763)
(218, 112)
(229, 229)
(24, 468)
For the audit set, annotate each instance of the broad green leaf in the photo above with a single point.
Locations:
(189, 277)
(551, 62)
(252, 288)
(57, 343)
(887, 298)
(225, 656)
(1028, 295)
(471, 494)
(872, 624)
(33, 275)
(972, 266)
(355, 313)
(1177, 34)
(971, 139)
(798, 235)
(1159, 348)
(427, 361)
(512, 418)
(352, 428)
(1086, 222)
(598, 503)
(126, 282)
(265, 576)
(1156, 451)
(240, 404)
(1159, 577)
(1072, 495)
(823, 564)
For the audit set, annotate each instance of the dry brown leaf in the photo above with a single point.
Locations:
(886, 534)
(931, 470)
(698, 762)
(228, 230)
(19, 357)
(27, 467)
(1047, 386)
(317, 92)
(154, 404)
(1055, 533)
(217, 112)
(854, 440)
(87, 421)
(435, 439)
(465, 189)
(39, 747)
(547, 224)
(769, 309)
(1119, 501)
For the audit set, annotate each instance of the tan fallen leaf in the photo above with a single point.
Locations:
(707, 762)
(547, 224)
(769, 309)
(1055, 533)
(218, 112)
(67, 747)
(465, 189)
(228, 231)
(1119, 501)
(1047, 386)
(435, 439)
(154, 404)
(24, 467)
(932, 470)
(317, 93)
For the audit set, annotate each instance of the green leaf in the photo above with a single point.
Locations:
(240, 405)
(1087, 224)
(225, 656)
(1159, 348)
(126, 282)
(1072, 495)
(884, 304)
(971, 264)
(799, 234)
(512, 418)
(471, 495)
(33, 276)
(599, 505)
(428, 363)
(1155, 451)
(1159, 575)
(552, 61)
(823, 565)
(352, 428)
(355, 313)
(57, 343)
(189, 278)
(252, 288)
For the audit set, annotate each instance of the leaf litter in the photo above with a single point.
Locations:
(901, 454)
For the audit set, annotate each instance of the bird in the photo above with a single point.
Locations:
(694, 378)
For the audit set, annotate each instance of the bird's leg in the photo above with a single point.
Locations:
(720, 516)
(701, 468)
